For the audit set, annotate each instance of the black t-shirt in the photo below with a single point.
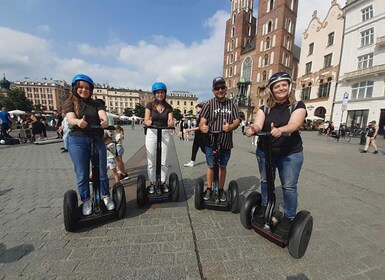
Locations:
(285, 145)
(88, 108)
(158, 119)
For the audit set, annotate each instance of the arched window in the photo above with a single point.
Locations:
(270, 26)
(246, 69)
(232, 45)
(265, 60)
(267, 43)
(264, 76)
(324, 87)
(233, 19)
(232, 31)
(288, 25)
(271, 5)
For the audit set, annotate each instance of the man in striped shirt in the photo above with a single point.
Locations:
(219, 114)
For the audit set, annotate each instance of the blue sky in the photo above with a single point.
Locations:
(125, 43)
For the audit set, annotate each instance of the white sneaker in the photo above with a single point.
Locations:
(189, 164)
(109, 203)
(87, 208)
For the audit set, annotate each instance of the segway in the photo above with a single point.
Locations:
(232, 195)
(72, 212)
(159, 195)
(301, 227)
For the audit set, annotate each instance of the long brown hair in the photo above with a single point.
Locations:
(166, 105)
(74, 98)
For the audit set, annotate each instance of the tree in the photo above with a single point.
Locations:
(16, 99)
(177, 114)
(139, 110)
(128, 112)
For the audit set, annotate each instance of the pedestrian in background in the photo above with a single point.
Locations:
(119, 136)
(371, 135)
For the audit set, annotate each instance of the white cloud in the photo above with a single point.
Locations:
(43, 29)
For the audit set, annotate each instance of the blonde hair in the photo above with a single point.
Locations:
(120, 129)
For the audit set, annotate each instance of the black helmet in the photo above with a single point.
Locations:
(279, 76)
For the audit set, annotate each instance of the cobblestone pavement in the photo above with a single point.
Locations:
(343, 189)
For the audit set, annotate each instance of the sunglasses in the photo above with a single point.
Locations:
(218, 88)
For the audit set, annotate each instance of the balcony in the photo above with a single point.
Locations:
(380, 41)
(367, 72)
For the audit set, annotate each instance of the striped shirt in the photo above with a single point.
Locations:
(215, 112)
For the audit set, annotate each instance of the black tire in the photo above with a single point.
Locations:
(347, 137)
(300, 233)
(32, 139)
(234, 196)
(174, 185)
(70, 210)
(198, 199)
(252, 200)
(141, 190)
(119, 196)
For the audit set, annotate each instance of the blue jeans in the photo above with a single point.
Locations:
(289, 168)
(79, 148)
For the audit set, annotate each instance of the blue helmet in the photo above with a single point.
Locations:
(159, 86)
(82, 77)
(279, 76)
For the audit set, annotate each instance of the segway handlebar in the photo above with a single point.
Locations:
(265, 134)
(159, 127)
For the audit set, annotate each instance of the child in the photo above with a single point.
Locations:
(120, 151)
(111, 156)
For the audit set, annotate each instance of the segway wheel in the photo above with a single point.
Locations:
(70, 210)
(174, 185)
(300, 233)
(141, 190)
(199, 184)
(32, 139)
(234, 196)
(119, 196)
(254, 199)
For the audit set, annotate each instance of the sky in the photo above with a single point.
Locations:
(124, 43)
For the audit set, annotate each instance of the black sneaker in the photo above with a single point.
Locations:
(208, 194)
(375, 152)
(363, 151)
(283, 226)
(222, 196)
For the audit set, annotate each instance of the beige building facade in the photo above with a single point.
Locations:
(319, 62)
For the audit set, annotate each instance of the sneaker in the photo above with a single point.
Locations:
(189, 164)
(222, 196)
(208, 194)
(124, 177)
(375, 152)
(65, 151)
(283, 226)
(165, 188)
(151, 189)
(109, 203)
(87, 207)
(363, 151)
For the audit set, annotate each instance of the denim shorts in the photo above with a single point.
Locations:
(111, 163)
(119, 150)
(223, 157)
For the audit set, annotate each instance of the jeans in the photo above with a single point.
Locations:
(79, 148)
(224, 157)
(289, 168)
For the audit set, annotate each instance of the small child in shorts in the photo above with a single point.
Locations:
(111, 156)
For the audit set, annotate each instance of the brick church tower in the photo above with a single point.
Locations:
(253, 52)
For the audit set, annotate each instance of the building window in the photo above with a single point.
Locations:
(367, 37)
(232, 31)
(246, 71)
(308, 68)
(328, 60)
(311, 48)
(231, 71)
(267, 43)
(330, 39)
(324, 88)
(265, 60)
(362, 90)
(264, 76)
(305, 93)
(367, 13)
(270, 26)
(365, 61)
(271, 5)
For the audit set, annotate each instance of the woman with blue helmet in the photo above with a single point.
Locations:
(158, 113)
(82, 111)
